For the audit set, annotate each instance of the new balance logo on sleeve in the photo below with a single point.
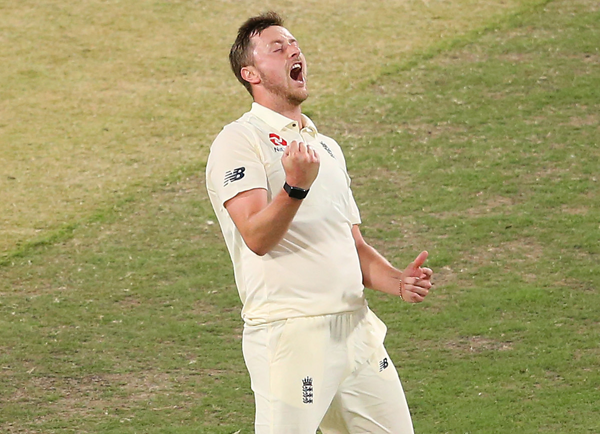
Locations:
(234, 175)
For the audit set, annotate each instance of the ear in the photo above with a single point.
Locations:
(250, 74)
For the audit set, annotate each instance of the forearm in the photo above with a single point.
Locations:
(378, 273)
(412, 284)
(267, 227)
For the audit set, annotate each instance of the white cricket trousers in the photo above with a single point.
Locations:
(330, 372)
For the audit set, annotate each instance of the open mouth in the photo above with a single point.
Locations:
(296, 72)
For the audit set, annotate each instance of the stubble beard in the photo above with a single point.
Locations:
(294, 97)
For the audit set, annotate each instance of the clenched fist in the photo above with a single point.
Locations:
(301, 164)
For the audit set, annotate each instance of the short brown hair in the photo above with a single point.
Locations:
(240, 55)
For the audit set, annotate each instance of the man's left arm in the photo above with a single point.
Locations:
(412, 284)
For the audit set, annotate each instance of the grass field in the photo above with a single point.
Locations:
(471, 129)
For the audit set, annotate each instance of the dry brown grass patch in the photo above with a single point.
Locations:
(105, 101)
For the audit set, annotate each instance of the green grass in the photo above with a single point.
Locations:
(500, 140)
(482, 147)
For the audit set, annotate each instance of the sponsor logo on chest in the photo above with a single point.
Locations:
(327, 149)
(278, 142)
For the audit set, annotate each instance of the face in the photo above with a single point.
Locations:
(279, 65)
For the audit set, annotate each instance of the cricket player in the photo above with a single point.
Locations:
(282, 196)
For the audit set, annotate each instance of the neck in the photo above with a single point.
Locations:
(284, 108)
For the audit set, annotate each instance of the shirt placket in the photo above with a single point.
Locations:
(307, 136)
(292, 133)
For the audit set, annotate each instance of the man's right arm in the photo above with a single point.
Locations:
(263, 224)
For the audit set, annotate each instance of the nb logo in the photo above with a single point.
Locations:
(234, 175)
(383, 364)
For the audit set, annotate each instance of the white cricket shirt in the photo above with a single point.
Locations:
(315, 269)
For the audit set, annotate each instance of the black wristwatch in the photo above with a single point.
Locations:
(295, 192)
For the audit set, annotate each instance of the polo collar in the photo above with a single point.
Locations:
(280, 122)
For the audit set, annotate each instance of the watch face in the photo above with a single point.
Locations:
(295, 192)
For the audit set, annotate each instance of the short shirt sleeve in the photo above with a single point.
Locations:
(235, 164)
(353, 211)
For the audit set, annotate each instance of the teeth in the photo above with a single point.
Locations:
(296, 66)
